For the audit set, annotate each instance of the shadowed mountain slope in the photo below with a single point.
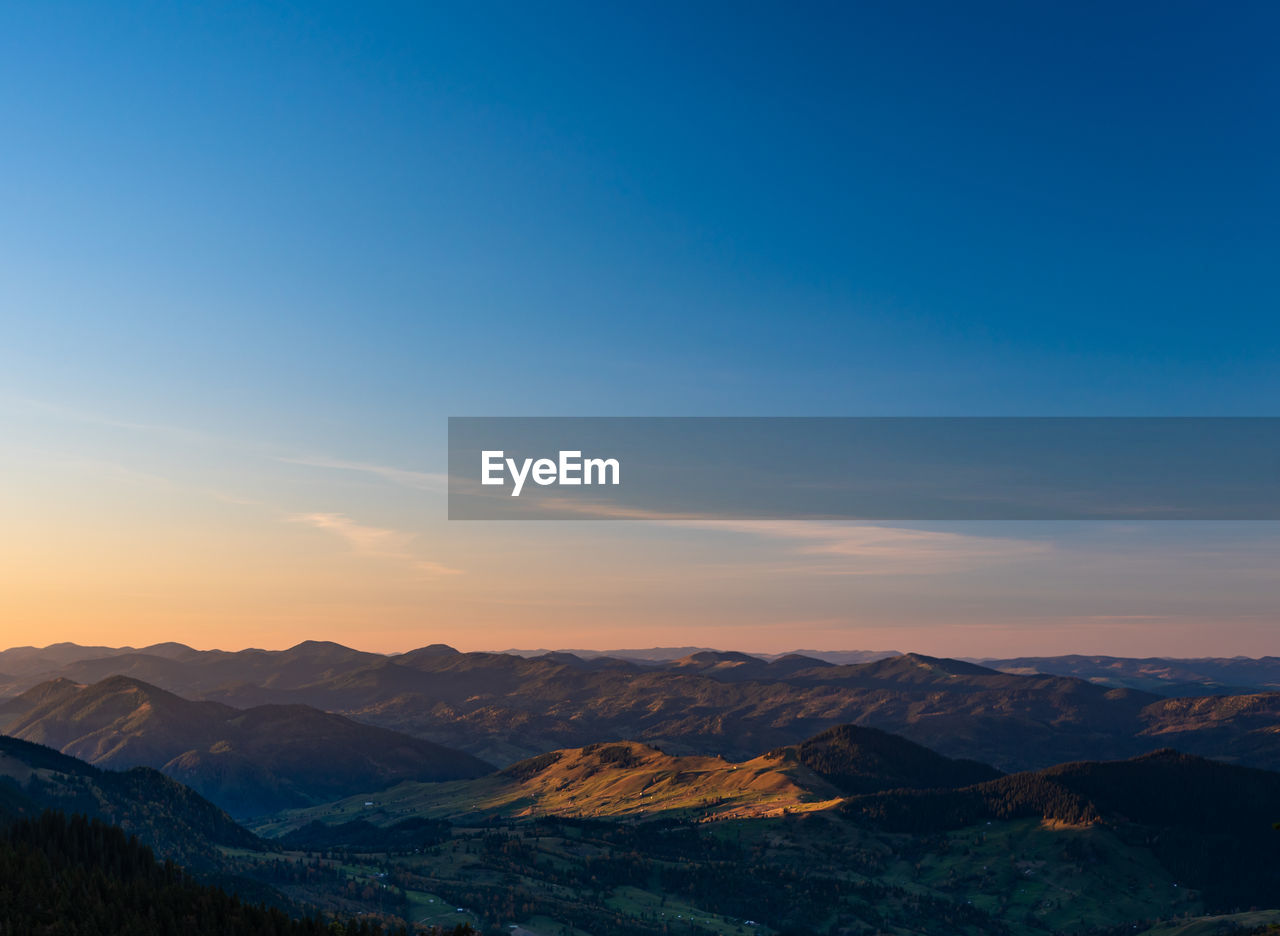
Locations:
(857, 760)
(172, 818)
(1209, 824)
(249, 761)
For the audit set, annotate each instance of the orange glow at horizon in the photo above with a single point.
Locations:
(98, 555)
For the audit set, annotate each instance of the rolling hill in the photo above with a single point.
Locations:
(626, 779)
(613, 780)
(858, 760)
(249, 761)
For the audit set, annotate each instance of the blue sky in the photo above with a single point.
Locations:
(321, 229)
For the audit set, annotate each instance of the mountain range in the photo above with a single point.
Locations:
(502, 708)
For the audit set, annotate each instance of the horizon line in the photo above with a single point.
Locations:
(536, 652)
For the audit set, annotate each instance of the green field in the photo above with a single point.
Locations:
(1068, 879)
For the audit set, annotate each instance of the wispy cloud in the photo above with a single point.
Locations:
(844, 548)
(57, 410)
(419, 480)
(858, 549)
(376, 542)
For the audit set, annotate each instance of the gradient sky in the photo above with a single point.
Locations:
(255, 254)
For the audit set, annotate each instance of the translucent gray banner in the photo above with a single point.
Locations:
(904, 469)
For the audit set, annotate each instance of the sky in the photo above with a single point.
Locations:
(254, 255)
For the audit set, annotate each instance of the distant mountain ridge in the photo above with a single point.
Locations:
(1170, 677)
(504, 707)
(668, 654)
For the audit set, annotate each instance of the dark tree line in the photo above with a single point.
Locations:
(82, 877)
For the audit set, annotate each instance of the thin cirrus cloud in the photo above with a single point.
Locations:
(419, 480)
(376, 542)
(865, 549)
(830, 548)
